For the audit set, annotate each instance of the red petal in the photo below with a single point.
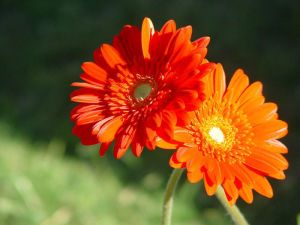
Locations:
(85, 134)
(179, 45)
(103, 149)
(123, 141)
(84, 95)
(93, 70)
(137, 145)
(111, 56)
(168, 27)
(108, 131)
(169, 121)
(90, 117)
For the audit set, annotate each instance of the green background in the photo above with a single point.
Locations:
(46, 177)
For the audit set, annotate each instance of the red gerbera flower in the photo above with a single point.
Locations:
(139, 87)
(232, 139)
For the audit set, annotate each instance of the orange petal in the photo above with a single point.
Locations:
(231, 191)
(251, 92)
(161, 143)
(262, 113)
(108, 131)
(252, 104)
(279, 175)
(182, 135)
(227, 172)
(214, 171)
(194, 176)
(183, 154)
(147, 32)
(273, 129)
(208, 85)
(246, 193)
(195, 163)
(239, 82)
(273, 158)
(257, 162)
(219, 81)
(241, 172)
(174, 162)
(261, 185)
(209, 186)
(272, 146)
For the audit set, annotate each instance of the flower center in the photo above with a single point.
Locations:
(142, 91)
(216, 134)
(221, 131)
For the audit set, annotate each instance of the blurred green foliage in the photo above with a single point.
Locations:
(42, 45)
(42, 187)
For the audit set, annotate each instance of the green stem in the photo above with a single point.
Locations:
(233, 211)
(169, 195)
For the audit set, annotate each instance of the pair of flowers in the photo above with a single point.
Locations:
(155, 88)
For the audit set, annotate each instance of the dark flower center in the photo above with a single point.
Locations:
(142, 91)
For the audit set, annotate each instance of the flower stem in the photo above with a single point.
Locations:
(169, 194)
(236, 215)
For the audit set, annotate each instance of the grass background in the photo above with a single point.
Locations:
(48, 178)
(40, 186)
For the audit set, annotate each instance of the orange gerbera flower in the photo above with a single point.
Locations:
(139, 87)
(232, 139)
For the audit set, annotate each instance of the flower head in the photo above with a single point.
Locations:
(232, 139)
(139, 87)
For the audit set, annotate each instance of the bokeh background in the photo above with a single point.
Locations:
(48, 178)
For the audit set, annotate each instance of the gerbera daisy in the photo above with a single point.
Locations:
(139, 87)
(232, 139)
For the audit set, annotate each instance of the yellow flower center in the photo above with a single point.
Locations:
(218, 132)
(222, 131)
